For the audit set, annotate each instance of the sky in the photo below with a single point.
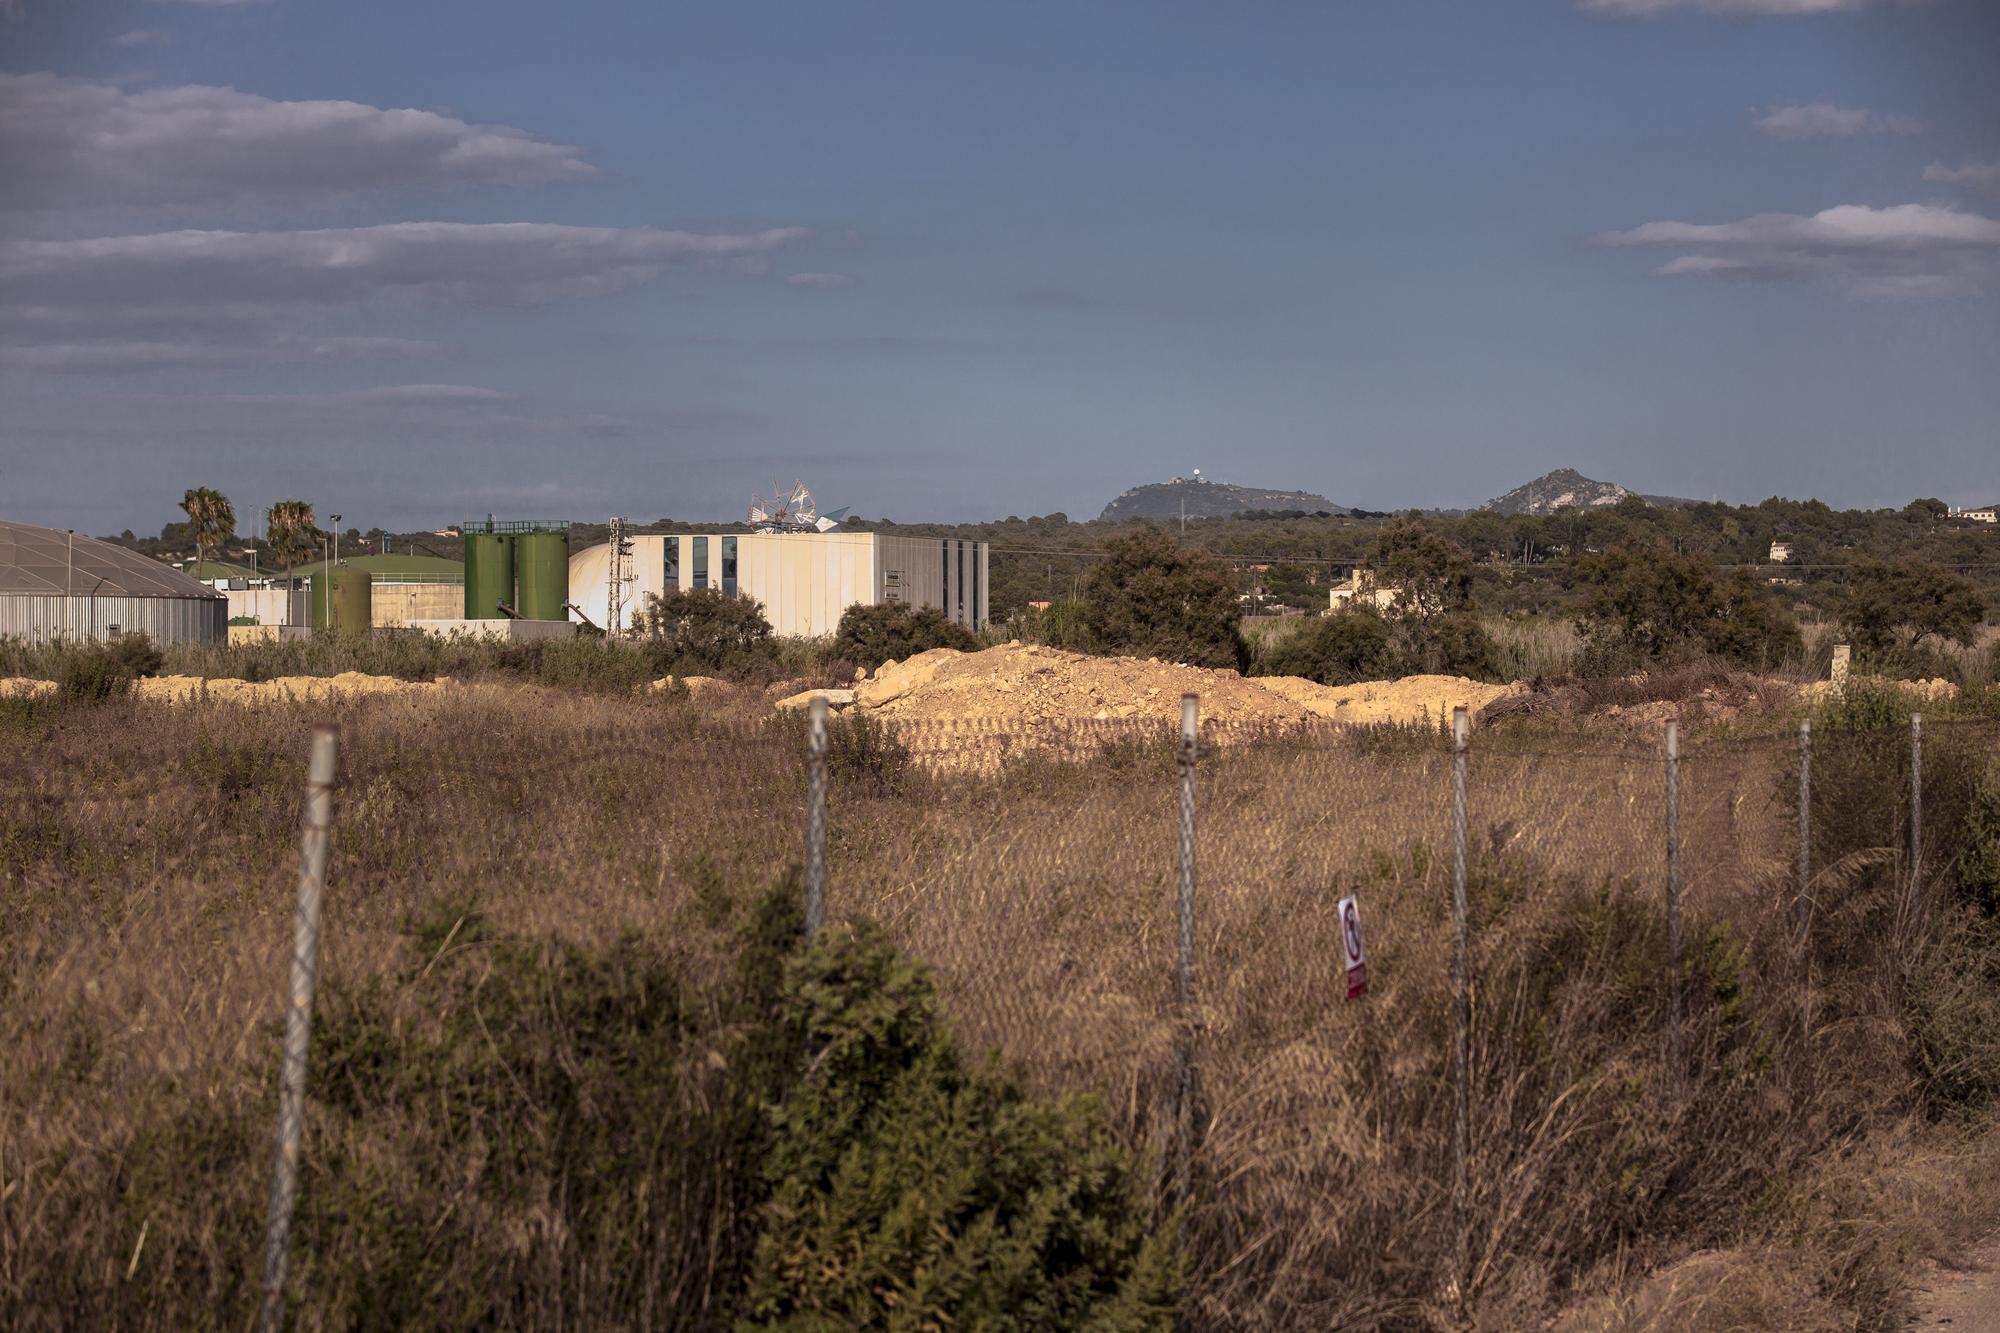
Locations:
(416, 263)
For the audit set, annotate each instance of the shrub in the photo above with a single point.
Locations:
(1979, 845)
(100, 670)
(1339, 649)
(1066, 625)
(872, 635)
(702, 629)
(1932, 603)
(910, 1192)
(1152, 597)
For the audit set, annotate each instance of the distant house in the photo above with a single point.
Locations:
(1780, 552)
(1979, 514)
(1361, 590)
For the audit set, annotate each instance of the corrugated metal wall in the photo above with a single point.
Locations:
(162, 619)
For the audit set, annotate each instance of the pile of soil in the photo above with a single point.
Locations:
(1029, 683)
(226, 689)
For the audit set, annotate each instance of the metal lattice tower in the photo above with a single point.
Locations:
(618, 576)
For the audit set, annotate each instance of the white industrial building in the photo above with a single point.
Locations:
(805, 580)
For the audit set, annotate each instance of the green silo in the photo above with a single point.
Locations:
(489, 574)
(342, 600)
(541, 561)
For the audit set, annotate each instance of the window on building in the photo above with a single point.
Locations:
(698, 565)
(670, 565)
(961, 582)
(729, 566)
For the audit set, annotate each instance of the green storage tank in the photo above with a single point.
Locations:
(342, 600)
(489, 574)
(541, 562)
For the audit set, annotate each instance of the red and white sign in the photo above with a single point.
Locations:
(1350, 948)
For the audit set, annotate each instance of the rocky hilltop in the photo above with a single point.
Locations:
(1162, 500)
(1555, 490)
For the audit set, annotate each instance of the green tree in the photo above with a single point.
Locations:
(1880, 600)
(292, 530)
(1658, 606)
(1152, 597)
(211, 519)
(702, 629)
(1432, 575)
(872, 635)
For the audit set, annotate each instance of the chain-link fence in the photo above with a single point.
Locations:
(1184, 964)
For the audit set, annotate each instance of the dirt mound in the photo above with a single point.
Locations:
(279, 689)
(1028, 683)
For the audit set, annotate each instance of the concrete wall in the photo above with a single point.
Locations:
(401, 603)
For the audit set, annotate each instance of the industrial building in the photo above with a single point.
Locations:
(805, 580)
(61, 585)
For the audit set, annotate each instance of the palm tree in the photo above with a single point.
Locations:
(292, 531)
(211, 519)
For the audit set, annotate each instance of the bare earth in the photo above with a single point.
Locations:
(1966, 1298)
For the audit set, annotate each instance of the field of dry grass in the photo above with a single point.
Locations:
(147, 855)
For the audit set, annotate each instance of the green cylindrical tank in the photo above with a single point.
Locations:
(342, 600)
(541, 562)
(489, 574)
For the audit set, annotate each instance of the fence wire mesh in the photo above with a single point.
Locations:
(1034, 869)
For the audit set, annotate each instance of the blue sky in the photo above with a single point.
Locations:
(418, 261)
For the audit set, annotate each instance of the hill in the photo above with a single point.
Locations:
(1554, 490)
(1163, 500)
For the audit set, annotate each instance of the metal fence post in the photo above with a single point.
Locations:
(1461, 944)
(815, 817)
(315, 827)
(1802, 904)
(1186, 754)
(1674, 893)
(1916, 803)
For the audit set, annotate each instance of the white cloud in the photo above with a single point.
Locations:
(1980, 175)
(141, 37)
(1905, 250)
(480, 263)
(75, 142)
(820, 281)
(1816, 120)
(430, 393)
(127, 355)
(218, 298)
(1647, 8)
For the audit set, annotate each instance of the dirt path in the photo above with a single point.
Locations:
(1966, 1298)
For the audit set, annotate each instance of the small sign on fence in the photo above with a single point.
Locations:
(1350, 948)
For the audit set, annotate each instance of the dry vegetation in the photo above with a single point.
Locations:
(146, 856)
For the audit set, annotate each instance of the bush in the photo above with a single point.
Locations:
(507, 1130)
(1066, 625)
(100, 670)
(1979, 845)
(1152, 597)
(872, 635)
(702, 629)
(909, 1192)
(1648, 607)
(1360, 643)
(1339, 649)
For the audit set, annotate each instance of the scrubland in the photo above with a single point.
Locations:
(546, 1031)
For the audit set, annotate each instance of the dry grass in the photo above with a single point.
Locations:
(146, 856)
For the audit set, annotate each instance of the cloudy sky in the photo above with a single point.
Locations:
(414, 262)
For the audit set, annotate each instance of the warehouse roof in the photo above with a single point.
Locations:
(36, 560)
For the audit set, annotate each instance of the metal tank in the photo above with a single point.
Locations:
(541, 561)
(342, 600)
(489, 574)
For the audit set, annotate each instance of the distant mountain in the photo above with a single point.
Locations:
(1552, 491)
(1163, 500)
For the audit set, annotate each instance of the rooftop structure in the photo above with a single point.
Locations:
(61, 585)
